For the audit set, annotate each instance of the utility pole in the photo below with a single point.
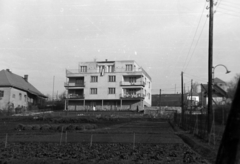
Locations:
(210, 66)
(175, 89)
(160, 100)
(182, 98)
(53, 89)
(191, 96)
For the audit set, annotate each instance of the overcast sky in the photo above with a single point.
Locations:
(42, 38)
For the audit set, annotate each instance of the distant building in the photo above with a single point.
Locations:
(222, 84)
(170, 100)
(219, 95)
(17, 92)
(108, 85)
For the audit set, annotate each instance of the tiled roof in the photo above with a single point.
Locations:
(9, 79)
(217, 80)
(217, 91)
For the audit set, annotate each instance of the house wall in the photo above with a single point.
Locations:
(17, 101)
(9, 93)
(5, 99)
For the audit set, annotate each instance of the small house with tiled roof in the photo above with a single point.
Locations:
(17, 92)
(219, 95)
(222, 84)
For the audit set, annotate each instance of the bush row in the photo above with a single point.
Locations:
(69, 127)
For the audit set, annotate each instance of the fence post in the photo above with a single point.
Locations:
(6, 140)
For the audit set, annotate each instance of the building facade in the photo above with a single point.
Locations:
(108, 85)
(17, 92)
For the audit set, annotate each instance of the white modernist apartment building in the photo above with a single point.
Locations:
(108, 85)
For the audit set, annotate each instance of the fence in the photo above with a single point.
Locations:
(196, 121)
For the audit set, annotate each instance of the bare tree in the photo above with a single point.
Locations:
(232, 86)
(195, 88)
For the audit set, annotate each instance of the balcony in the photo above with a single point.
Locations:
(132, 96)
(137, 83)
(66, 84)
(75, 96)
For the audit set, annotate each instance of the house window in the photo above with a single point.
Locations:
(94, 78)
(149, 96)
(111, 90)
(129, 67)
(1, 93)
(20, 96)
(149, 84)
(93, 91)
(25, 98)
(83, 68)
(112, 78)
(13, 96)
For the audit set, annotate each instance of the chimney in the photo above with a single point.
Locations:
(8, 70)
(26, 78)
(106, 60)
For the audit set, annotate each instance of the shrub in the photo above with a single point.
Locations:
(45, 127)
(69, 127)
(35, 127)
(27, 127)
(19, 127)
(90, 126)
(80, 127)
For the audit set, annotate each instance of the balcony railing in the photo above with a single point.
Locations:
(132, 96)
(127, 83)
(75, 96)
(66, 84)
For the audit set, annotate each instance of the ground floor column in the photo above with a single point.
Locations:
(65, 106)
(84, 104)
(121, 104)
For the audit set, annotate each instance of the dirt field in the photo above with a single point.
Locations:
(114, 139)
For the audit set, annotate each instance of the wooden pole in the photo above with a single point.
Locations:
(210, 66)
(6, 140)
(133, 141)
(91, 140)
(61, 136)
(66, 137)
(160, 100)
(191, 96)
(182, 98)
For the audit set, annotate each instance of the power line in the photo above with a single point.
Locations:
(195, 45)
(194, 35)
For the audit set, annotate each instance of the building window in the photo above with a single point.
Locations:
(129, 67)
(20, 96)
(83, 68)
(25, 98)
(111, 68)
(149, 84)
(132, 79)
(93, 91)
(149, 96)
(111, 90)
(13, 96)
(94, 78)
(1, 93)
(112, 78)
